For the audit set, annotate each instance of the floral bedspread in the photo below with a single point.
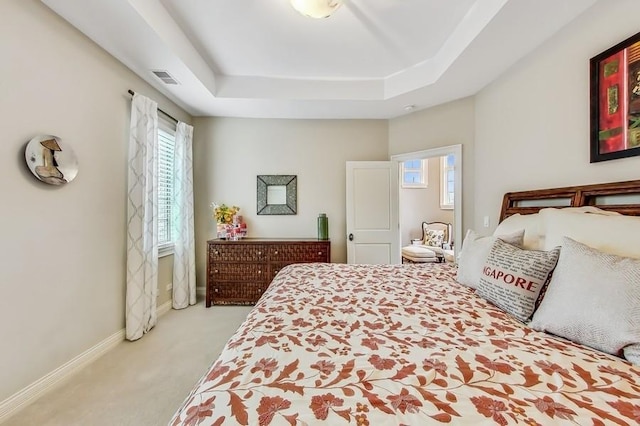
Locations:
(401, 344)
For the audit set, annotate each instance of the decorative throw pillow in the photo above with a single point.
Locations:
(632, 353)
(434, 237)
(475, 250)
(593, 299)
(513, 278)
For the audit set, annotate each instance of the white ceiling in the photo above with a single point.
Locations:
(371, 59)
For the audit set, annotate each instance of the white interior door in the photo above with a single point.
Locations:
(373, 234)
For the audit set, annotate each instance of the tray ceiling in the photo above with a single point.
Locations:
(371, 59)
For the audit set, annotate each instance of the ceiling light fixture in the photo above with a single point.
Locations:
(316, 8)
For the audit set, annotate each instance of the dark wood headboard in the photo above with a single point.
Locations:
(622, 197)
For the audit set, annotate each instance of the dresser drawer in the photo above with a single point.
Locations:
(238, 272)
(235, 293)
(275, 267)
(295, 253)
(250, 272)
(237, 253)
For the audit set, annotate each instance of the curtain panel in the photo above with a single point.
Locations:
(184, 263)
(142, 223)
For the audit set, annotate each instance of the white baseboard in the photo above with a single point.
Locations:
(164, 308)
(26, 396)
(29, 394)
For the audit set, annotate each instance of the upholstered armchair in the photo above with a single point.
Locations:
(437, 238)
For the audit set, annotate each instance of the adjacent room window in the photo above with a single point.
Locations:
(166, 145)
(414, 173)
(447, 181)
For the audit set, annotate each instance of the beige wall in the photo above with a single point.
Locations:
(445, 125)
(422, 204)
(229, 153)
(532, 125)
(63, 252)
(63, 248)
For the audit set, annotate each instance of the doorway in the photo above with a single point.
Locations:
(432, 157)
(372, 212)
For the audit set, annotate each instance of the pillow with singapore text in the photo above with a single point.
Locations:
(475, 250)
(513, 278)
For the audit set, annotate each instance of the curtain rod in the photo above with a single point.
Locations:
(131, 92)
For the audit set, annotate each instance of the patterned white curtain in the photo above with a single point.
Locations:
(184, 263)
(142, 223)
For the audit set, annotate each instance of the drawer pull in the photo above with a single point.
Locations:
(215, 271)
(259, 272)
(320, 253)
(216, 290)
(259, 253)
(275, 252)
(216, 252)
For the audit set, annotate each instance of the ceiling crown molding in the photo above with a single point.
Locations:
(317, 69)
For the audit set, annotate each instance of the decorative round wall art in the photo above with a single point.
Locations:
(51, 161)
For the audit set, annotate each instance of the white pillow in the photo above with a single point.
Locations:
(533, 237)
(474, 253)
(593, 299)
(533, 225)
(614, 234)
(513, 278)
(586, 209)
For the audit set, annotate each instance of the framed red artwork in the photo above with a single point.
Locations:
(615, 101)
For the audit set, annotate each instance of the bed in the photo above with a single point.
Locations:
(410, 345)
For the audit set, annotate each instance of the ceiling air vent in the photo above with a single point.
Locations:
(165, 77)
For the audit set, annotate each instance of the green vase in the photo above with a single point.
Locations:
(323, 227)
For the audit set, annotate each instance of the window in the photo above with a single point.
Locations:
(414, 174)
(447, 181)
(166, 145)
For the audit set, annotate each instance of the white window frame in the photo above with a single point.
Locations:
(423, 172)
(445, 195)
(166, 152)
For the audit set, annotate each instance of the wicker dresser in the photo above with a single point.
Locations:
(238, 272)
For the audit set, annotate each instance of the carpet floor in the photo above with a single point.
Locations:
(144, 382)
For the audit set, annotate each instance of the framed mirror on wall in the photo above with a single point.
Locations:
(277, 194)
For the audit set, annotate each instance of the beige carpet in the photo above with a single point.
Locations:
(144, 382)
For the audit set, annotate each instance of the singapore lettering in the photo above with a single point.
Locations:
(510, 279)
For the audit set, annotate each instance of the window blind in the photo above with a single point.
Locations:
(166, 149)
